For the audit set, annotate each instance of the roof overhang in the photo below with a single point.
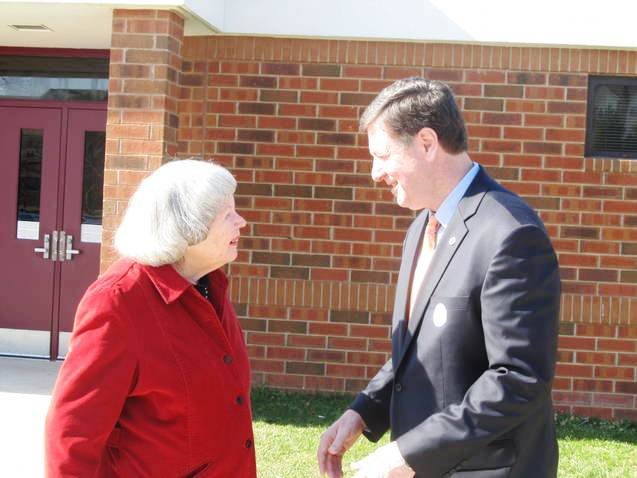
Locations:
(75, 25)
(87, 23)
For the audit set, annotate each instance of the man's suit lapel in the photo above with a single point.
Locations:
(407, 266)
(439, 262)
(449, 244)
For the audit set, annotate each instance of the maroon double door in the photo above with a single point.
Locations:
(51, 179)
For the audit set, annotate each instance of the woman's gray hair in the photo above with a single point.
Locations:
(173, 209)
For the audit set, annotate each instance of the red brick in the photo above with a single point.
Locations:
(284, 381)
(319, 97)
(593, 385)
(598, 412)
(545, 93)
(329, 274)
(339, 370)
(626, 387)
(568, 80)
(502, 118)
(258, 365)
(306, 340)
(524, 106)
(338, 84)
(287, 82)
(369, 331)
(627, 359)
(396, 73)
(573, 370)
(504, 91)
(276, 123)
(524, 78)
(311, 69)
(265, 339)
(485, 76)
(523, 133)
(297, 110)
(566, 107)
(576, 343)
(374, 86)
(362, 71)
(595, 330)
(573, 398)
(617, 345)
(280, 69)
(484, 104)
(613, 400)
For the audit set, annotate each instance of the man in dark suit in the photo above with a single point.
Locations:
(467, 391)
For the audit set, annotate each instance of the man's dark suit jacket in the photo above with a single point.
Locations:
(467, 392)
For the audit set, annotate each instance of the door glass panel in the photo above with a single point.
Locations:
(59, 89)
(54, 78)
(29, 183)
(92, 186)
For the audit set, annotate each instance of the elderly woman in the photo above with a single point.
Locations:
(157, 381)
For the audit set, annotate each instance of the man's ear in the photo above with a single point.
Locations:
(428, 138)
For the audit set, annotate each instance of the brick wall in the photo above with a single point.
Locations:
(314, 281)
(143, 95)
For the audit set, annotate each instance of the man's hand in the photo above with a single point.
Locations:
(386, 462)
(336, 440)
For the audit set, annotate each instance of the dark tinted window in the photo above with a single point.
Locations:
(30, 177)
(612, 117)
(50, 78)
(93, 177)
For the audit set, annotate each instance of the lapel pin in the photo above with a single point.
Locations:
(452, 241)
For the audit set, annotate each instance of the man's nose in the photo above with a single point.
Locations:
(377, 171)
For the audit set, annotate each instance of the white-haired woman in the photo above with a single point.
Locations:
(157, 380)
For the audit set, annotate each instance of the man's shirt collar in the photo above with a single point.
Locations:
(448, 207)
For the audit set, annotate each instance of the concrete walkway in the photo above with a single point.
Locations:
(25, 392)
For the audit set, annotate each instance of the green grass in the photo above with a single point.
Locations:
(288, 427)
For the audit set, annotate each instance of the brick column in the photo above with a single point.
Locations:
(142, 123)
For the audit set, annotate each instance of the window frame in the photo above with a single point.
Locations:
(593, 82)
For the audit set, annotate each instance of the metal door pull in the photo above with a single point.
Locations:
(68, 250)
(54, 246)
(44, 250)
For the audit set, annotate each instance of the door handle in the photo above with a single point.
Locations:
(65, 249)
(46, 249)
(54, 246)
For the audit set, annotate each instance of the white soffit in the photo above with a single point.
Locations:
(78, 24)
(87, 23)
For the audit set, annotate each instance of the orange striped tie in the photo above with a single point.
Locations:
(424, 258)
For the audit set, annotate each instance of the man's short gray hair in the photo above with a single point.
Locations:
(173, 209)
(406, 106)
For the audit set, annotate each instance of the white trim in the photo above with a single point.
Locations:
(91, 233)
(32, 343)
(28, 230)
(63, 344)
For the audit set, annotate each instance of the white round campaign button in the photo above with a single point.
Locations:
(440, 315)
